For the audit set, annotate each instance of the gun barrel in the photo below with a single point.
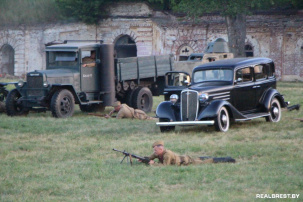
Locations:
(117, 150)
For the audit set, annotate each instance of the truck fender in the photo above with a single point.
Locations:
(55, 87)
(269, 95)
(212, 110)
(165, 110)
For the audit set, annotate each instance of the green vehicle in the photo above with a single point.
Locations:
(69, 80)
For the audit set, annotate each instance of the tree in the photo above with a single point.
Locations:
(235, 12)
(88, 11)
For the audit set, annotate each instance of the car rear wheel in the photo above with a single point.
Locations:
(274, 111)
(62, 104)
(222, 121)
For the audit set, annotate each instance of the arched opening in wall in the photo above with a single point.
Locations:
(125, 47)
(249, 52)
(183, 52)
(7, 65)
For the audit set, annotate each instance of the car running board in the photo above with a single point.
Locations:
(253, 116)
(185, 123)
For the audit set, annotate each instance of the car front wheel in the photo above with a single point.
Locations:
(274, 111)
(164, 129)
(222, 121)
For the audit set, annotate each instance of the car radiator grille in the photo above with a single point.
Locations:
(35, 86)
(189, 105)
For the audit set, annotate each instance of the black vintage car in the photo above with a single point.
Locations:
(237, 89)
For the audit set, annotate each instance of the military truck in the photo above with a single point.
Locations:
(216, 50)
(67, 81)
(178, 79)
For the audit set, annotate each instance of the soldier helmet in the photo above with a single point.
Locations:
(116, 104)
(159, 142)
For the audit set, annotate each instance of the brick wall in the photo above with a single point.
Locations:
(276, 36)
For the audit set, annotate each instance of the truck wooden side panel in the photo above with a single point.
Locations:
(137, 68)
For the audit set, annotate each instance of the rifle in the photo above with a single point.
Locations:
(99, 115)
(126, 154)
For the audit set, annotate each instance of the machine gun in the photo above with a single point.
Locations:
(126, 155)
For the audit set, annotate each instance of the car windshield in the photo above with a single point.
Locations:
(213, 75)
(62, 59)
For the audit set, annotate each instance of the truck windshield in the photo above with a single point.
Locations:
(213, 75)
(62, 59)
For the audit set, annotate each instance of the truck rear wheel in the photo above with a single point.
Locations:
(129, 98)
(13, 107)
(62, 104)
(142, 99)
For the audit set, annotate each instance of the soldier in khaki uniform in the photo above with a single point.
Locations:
(167, 157)
(124, 111)
(89, 61)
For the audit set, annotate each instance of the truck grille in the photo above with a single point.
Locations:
(35, 86)
(189, 105)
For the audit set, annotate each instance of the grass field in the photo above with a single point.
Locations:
(48, 159)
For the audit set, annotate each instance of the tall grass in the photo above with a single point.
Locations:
(43, 158)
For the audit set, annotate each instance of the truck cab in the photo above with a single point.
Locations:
(67, 81)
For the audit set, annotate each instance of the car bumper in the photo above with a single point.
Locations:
(185, 123)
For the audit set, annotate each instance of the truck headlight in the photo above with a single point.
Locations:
(174, 98)
(203, 97)
(45, 84)
(20, 83)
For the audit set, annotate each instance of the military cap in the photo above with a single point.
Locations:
(159, 142)
(116, 104)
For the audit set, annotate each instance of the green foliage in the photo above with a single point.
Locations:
(231, 7)
(88, 11)
(28, 12)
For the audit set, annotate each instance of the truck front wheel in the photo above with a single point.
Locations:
(62, 104)
(13, 105)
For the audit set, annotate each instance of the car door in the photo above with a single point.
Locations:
(243, 94)
(263, 81)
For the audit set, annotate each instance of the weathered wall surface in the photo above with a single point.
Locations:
(279, 37)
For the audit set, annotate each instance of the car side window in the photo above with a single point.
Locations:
(243, 75)
(270, 70)
(260, 72)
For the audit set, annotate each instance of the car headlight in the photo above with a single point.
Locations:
(174, 98)
(20, 83)
(203, 97)
(45, 84)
